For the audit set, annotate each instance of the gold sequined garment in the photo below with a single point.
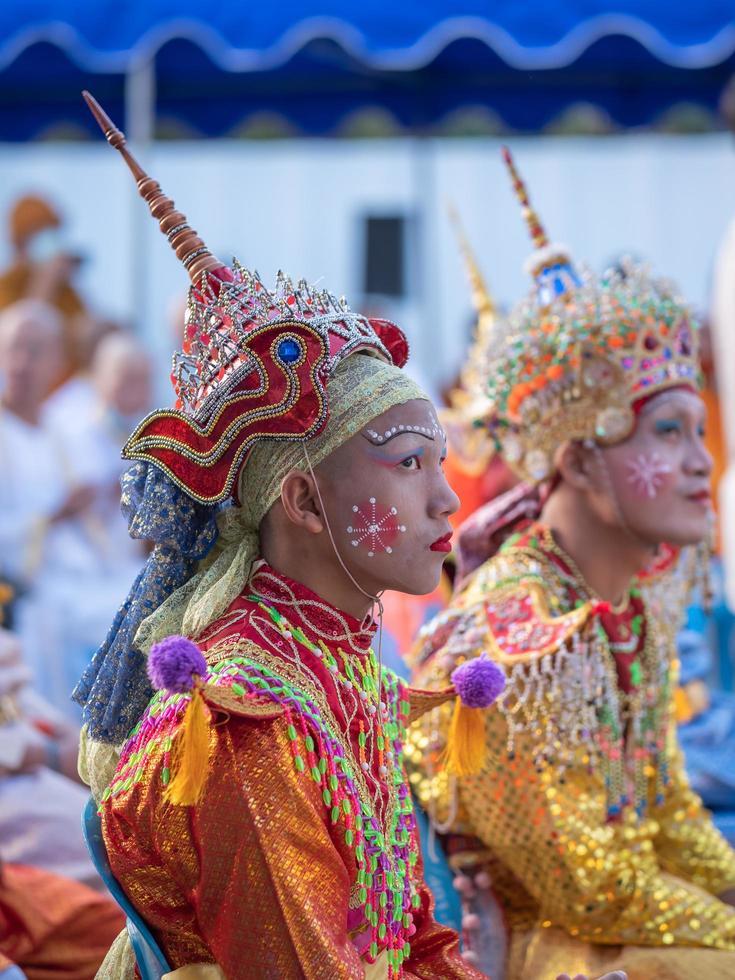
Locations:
(301, 860)
(582, 817)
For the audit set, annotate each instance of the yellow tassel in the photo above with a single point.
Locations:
(466, 747)
(190, 760)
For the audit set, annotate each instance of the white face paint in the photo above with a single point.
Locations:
(375, 527)
(647, 473)
(660, 474)
(393, 496)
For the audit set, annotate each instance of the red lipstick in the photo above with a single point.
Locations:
(442, 544)
(703, 497)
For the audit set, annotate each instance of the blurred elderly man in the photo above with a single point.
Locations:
(38, 492)
(120, 380)
(47, 541)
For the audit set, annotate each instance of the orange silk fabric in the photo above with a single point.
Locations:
(51, 927)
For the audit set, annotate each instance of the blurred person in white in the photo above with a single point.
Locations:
(121, 384)
(41, 800)
(75, 399)
(47, 543)
(122, 380)
(37, 492)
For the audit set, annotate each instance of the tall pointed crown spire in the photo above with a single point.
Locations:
(536, 229)
(189, 247)
(550, 263)
(254, 364)
(481, 299)
(467, 400)
(472, 371)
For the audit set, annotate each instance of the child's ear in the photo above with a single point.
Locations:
(301, 502)
(574, 464)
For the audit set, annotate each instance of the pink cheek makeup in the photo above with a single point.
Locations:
(375, 528)
(647, 474)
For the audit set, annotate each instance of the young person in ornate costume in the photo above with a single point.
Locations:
(582, 821)
(259, 816)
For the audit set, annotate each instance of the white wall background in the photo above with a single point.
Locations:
(298, 205)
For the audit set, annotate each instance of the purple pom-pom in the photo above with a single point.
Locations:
(173, 662)
(478, 682)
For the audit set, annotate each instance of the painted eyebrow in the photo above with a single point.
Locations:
(676, 401)
(680, 413)
(383, 438)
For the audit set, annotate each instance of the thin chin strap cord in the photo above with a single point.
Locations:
(375, 599)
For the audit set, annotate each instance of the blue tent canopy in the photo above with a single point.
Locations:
(523, 60)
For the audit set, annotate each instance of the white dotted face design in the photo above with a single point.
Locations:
(647, 474)
(375, 527)
(432, 431)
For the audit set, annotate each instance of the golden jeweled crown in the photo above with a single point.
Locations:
(573, 358)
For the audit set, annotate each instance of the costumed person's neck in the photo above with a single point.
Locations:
(301, 607)
(27, 410)
(322, 578)
(607, 556)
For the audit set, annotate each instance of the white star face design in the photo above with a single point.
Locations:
(647, 474)
(375, 527)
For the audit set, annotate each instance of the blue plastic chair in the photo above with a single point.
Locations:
(12, 973)
(148, 955)
(438, 876)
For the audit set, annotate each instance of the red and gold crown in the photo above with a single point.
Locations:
(254, 364)
(573, 357)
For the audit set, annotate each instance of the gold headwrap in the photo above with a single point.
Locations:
(360, 389)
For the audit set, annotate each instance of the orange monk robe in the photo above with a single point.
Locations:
(475, 484)
(51, 927)
(714, 440)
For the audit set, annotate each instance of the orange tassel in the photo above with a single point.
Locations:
(190, 762)
(466, 750)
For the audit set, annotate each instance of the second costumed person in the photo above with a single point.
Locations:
(582, 822)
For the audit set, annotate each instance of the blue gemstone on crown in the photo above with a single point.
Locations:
(288, 351)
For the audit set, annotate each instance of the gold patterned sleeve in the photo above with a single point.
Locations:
(600, 881)
(274, 882)
(688, 843)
